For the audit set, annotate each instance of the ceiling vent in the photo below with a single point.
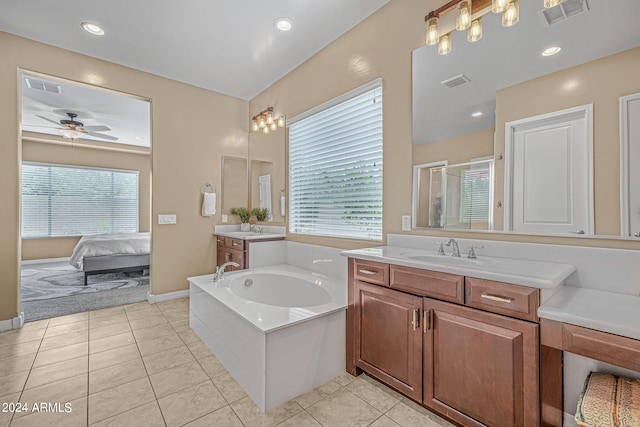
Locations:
(40, 85)
(564, 10)
(454, 81)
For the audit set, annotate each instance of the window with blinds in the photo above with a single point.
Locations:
(335, 167)
(476, 192)
(60, 200)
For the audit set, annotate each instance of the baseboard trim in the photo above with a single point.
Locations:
(15, 323)
(168, 296)
(44, 261)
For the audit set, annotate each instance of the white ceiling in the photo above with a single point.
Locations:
(508, 56)
(226, 46)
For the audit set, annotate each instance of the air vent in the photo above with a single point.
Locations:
(564, 10)
(454, 81)
(40, 85)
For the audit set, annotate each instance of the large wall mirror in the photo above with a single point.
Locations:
(235, 186)
(548, 131)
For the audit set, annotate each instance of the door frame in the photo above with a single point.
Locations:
(625, 147)
(415, 196)
(585, 111)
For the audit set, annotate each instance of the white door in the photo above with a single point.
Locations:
(549, 163)
(630, 164)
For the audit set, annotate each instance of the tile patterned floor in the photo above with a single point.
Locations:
(141, 365)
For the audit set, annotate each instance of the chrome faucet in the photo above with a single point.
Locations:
(456, 249)
(219, 274)
(472, 252)
(256, 229)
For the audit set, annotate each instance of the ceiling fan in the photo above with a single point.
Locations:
(73, 129)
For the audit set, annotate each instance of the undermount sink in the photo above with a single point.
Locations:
(442, 259)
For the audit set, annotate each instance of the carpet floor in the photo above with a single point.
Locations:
(57, 289)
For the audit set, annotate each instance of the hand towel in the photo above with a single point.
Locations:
(209, 204)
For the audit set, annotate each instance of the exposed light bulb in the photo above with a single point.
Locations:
(475, 31)
(254, 126)
(463, 19)
(261, 122)
(281, 121)
(499, 6)
(551, 3)
(273, 126)
(433, 37)
(269, 118)
(265, 129)
(444, 47)
(511, 16)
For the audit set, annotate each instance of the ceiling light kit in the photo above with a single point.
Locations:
(469, 18)
(92, 28)
(73, 129)
(266, 121)
(283, 24)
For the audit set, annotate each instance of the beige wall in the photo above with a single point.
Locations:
(601, 83)
(191, 129)
(381, 46)
(64, 153)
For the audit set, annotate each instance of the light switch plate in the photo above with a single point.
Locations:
(225, 218)
(406, 222)
(166, 219)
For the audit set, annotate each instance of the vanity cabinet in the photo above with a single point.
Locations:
(230, 249)
(389, 344)
(466, 348)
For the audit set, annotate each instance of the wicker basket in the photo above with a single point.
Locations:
(609, 401)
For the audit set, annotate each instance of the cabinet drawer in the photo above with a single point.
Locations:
(503, 298)
(444, 286)
(220, 241)
(610, 348)
(231, 243)
(371, 272)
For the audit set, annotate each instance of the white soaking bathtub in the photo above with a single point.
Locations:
(279, 330)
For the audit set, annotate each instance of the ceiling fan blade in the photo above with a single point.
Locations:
(102, 136)
(49, 120)
(98, 128)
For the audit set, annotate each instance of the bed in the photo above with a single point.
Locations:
(111, 253)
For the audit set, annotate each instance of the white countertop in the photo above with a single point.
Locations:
(604, 311)
(250, 235)
(520, 272)
(268, 318)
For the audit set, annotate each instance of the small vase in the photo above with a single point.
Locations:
(245, 226)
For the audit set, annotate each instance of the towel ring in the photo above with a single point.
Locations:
(208, 188)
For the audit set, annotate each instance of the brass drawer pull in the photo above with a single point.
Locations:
(416, 319)
(236, 244)
(496, 298)
(367, 272)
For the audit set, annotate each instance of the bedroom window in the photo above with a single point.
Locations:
(61, 200)
(335, 167)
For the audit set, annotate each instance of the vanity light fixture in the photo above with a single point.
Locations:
(463, 19)
(444, 47)
(475, 31)
(266, 121)
(551, 51)
(511, 15)
(94, 29)
(433, 36)
(499, 6)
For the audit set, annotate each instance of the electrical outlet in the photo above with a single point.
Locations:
(166, 219)
(406, 222)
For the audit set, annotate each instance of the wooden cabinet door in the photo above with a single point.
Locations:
(388, 342)
(480, 368)
(226, 255)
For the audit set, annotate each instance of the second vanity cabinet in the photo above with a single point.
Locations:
(464, 347)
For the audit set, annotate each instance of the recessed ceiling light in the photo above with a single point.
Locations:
(476, 114)
(283, 24)
(551, 51)
(93, 28)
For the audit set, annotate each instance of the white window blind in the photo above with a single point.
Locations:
(335, 169)
(60, 200)
(476, 192)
